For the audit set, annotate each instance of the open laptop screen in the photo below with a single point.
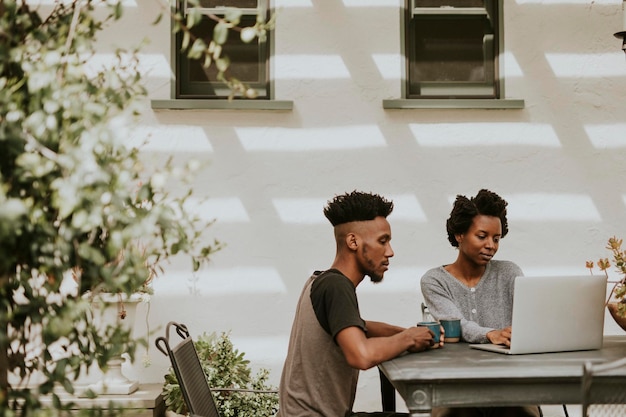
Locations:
(556, 314)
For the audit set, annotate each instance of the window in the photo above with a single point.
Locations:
(453, 52)
(452, 49)
(249, 62)
(196, 87)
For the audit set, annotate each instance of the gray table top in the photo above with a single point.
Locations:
(457, 361)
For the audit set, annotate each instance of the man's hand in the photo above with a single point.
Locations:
(421, 337)
(500, 337)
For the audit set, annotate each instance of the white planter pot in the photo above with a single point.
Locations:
(115, 310)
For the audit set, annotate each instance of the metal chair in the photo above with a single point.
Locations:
(604, 389)
(191, 377)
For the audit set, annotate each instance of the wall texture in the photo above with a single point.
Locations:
(560, 162)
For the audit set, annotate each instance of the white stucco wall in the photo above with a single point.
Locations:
(560, 162)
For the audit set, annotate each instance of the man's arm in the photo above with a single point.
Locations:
(380, 329)
(363, 353)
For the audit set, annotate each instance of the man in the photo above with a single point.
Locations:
(330, 342)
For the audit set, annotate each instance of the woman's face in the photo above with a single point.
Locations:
(480, 243)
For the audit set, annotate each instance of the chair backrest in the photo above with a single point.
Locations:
(188, 369)
(604, 389)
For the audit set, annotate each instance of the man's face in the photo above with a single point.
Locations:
(375, 248)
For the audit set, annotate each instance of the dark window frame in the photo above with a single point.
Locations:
(416, 11)
(186, 88)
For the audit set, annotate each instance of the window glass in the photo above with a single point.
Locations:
(452, 53)
(248, 61)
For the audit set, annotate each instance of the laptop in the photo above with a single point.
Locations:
(555, 314)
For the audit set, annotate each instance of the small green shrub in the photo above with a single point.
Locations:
(226, 367)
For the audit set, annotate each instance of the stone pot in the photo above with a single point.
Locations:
(621, 321)
(115, 310)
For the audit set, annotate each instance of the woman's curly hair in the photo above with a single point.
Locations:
(464, 210)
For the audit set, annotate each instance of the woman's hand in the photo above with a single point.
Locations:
(500, 337)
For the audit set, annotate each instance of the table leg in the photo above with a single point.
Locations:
(419, 400)
(387, 393)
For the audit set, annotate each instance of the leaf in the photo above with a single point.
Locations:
(222, 64)
(118, 10)
(198, 48)
(56, 401)
(233, 15)
(217, 51)
(248, 34)
(68, 385)
(220, 33)
(185, 42)
(207, 61)
(251, 93)
(193, 17)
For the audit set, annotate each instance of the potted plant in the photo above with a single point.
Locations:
(113, 316)
(74, 194)
(616, 301)
(226, 367)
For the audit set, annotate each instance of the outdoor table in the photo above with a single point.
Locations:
(459, 376)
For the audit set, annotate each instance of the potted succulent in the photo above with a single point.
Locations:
(226, 367)
(616, 301)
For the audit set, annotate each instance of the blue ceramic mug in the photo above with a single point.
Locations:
(434, 327)
(452, 329)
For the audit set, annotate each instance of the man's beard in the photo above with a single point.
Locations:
(375, 278)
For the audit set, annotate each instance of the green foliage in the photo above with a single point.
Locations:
(74, 195)
(226, 367)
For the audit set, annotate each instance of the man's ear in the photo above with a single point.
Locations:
(351, 241)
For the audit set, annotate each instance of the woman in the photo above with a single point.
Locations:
(476, 288)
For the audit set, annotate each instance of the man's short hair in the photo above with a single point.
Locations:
(356, 206)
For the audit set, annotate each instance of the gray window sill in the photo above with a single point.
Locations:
(240, 104)
(453, 104)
